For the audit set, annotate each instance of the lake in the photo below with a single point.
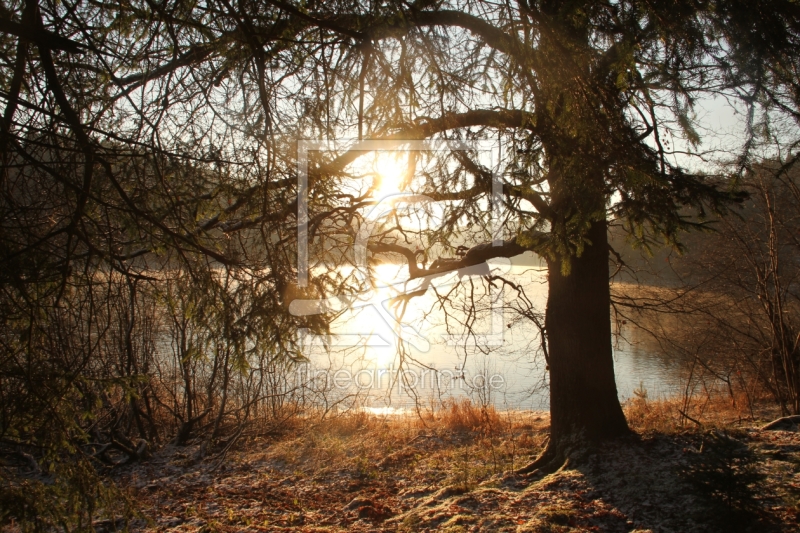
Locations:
(471, 339)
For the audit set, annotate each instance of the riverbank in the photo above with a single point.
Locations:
(454, 471)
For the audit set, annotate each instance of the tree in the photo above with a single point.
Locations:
(113, 192)
(588, 95)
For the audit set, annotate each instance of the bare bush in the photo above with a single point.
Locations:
(728, 308)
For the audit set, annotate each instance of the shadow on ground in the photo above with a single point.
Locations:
(692, 482)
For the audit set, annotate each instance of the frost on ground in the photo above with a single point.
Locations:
(393, 476)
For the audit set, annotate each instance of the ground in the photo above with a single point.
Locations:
(455, 473)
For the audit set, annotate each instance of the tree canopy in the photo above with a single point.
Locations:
(151, 148)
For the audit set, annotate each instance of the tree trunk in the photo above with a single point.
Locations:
(584, 407)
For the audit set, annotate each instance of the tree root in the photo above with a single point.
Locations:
(550, 460)
(573, 449)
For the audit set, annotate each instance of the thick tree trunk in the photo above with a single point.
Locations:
(584, 407)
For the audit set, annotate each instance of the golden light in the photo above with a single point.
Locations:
(390, 173)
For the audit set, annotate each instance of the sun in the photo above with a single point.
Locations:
(389, 176)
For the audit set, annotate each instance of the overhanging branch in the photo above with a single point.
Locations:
(476, 255)
(496, 118)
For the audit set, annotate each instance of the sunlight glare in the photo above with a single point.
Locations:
(390, 174)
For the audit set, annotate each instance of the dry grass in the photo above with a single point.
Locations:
(453, 471)
(464, 442)
(462, 415)
(714, 409)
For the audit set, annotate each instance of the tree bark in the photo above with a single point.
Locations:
(584, 406)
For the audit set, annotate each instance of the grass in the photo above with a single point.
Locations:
(716, 409)
(458, 445)
(453, 469)
(463, 415)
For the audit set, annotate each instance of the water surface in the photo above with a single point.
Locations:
(472, 339)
